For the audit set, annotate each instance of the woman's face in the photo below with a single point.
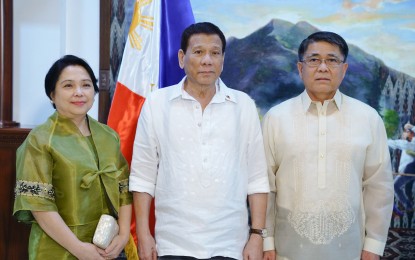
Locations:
(74, 92)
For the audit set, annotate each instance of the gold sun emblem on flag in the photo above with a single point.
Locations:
(139, 20)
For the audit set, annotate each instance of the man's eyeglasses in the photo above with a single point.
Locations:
(316, 62)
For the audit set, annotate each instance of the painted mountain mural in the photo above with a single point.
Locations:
(263, 65)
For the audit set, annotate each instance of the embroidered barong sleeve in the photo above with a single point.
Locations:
(257, 178)
(144, 163)
(269, 132)
(34, 190)
(377, 190)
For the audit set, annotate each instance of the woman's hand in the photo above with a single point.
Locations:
(115, 247)
(120, 240)
(88, 251)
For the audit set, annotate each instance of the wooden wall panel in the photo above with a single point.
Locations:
(14, 236)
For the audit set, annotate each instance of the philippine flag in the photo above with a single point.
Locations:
(149, 62)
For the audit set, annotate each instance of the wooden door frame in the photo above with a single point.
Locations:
(6, 64)
(104, 60)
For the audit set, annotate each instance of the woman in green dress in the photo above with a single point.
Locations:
(65, 168)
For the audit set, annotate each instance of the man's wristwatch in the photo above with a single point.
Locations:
(262, 232)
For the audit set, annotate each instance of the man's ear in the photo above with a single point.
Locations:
(300, 69)
(180, 56)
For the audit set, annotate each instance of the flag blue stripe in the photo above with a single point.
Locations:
(176, 15)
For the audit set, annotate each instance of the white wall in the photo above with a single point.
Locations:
(44, 31)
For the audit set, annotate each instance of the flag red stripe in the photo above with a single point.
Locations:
(123, 117)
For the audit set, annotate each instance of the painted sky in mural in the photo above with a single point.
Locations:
(383, 28)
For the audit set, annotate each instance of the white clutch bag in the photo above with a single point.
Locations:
(106, 230)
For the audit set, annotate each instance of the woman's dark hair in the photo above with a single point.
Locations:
(55, 71)
(330, 37)
(201, 28)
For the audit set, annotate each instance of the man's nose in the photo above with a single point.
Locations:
(207, 59)
(323, 66)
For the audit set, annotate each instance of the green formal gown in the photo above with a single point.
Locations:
(60, 170)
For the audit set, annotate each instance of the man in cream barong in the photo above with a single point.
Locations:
(328, 165)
